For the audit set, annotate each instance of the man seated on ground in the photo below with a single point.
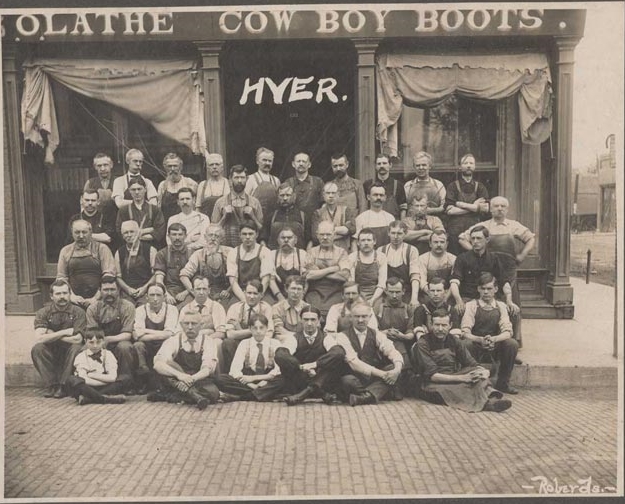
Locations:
(95, 379)
(238, 326)
(155, 321)
(134, 262)
(339, 316)
(437, 301)
(102, 219)
(186, 365)
(59, 329)
(421, 225)
(367, 267)
(116, 317)
(288, 260)
(450, 374)
(196, 223)
(487, 332)
(286, 313)
(254, 374)
(375, 365)
(310, 370)
(168, 264)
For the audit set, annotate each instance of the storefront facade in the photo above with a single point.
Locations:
(495, 82)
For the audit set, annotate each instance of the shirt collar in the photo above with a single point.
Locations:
(492, 304)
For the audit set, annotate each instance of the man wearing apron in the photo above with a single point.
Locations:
(168, 188)
(367, 267)
(343, 218)
(287, 214)
(487, 332)
(351, 192)
(116, 317)
(339, 317)
(83, 264)
(437, 263)
(210, 263)
(249, 261)
(504, 235)
(264, 186)
(375, 218)
(286, 313)
(102, 220)
(329, 270)
(402, 260)
(186, 364)
(236, 208)
(308, 188)
(134, 262)
(103, 184)
(214, 187)
(465, 204)
(421, 225)
(437, 300)
(395, 203)
(288, 260)
(121, 185)
(168, 264)
(194, 222)
(423, 185)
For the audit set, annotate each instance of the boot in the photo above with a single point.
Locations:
(115, 399)
(497, 405)
(200, 401)
(360, 399)
(329, 398)
(298, 398)
(226, 398)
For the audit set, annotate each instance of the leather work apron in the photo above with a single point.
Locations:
(208, 199)
(366, 276)
(84, 274)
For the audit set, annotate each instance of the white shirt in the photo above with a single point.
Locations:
(335, 312)
(371, 219)
(85, 364)
(239, 312)
(250, 346)
(266, 265)
(212, 313)
(120, 184)
(169, 350)
(252, 181)
(196, 223)
(168, 313)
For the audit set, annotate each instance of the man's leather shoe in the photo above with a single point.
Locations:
(82, 400)
(329, 398)
(298, 398)
(156, 397)
(202, 403)
(226, 398)
(518, 361)
(497, 405)
(361, 399)
(508, 389)
(50, 391)
(396, 394)
(59, 393)
(115, 399)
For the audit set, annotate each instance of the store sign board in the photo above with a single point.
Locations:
(292, 23)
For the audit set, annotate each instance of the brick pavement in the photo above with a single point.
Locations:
(54, 448)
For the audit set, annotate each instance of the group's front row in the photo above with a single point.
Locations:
(200, 356)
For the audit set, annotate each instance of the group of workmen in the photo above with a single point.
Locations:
(249, 288)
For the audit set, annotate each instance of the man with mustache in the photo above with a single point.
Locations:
(339, 317)
(376, 218)
(134, 262)
(168, 264)
(424, 185)
(102, 220)
(194, 222)
(308, 188)
(437, 263)
(288, 260)
(168, 189)
(420, 224)
(395, 203)
(264, 186)
(103, 184)
(121, 185)
(214, 187)
(367, 267)
(287, 214)
(343, 218)
(59, 329)
(351, 192)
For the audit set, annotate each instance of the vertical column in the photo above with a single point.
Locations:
(212, 87)
(365, 108)
(22, 232)
(559, 290)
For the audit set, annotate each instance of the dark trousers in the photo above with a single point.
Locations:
(76, 386)
(55, 360)
(270, 391)
(327, 375)
(228, 349)
(504, 354)
(205, 388)
(353, 383)
(146, 350)
(126, 356)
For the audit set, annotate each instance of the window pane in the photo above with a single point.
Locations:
(441, 123)
(477, 130)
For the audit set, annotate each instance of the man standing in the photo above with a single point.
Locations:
(196, 223)
(351, 192)
(237, 207)
(103, 184)
(168, 264)
(437, 301)
(121, 185)
(288, 261)
(367, 267)
(343, 218)
(149, 217)
(102, 220)
(264, 186)
(437, 263)
(421, 225)
(83, 264)
(339, 317)
(286, 313)
(308, 188)
(168, 189)
(211, 312)
(214, 187)
(287, 214)
(465, 204)
(134, 262)
(376, 218)
(395, 203)
(423, 185)
(59, 329)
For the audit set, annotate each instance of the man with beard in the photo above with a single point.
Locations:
(376, 218)
(465, 204)
(236, 208)
(83, 264)
(308, 188)
(214, 187)
(134, 262)
(287, 214)
(155, 321)
(351, 192)
(286, 313)
(343, 218)
(194, 222)
(264, 186)
(59, 329)
(329, 270)
(423, 185)
(148, 216)
(103, 165)
(121, 185)
(367, 267)
(339, 317)
(102, 220)
(210, 263)
(421, 225)
(168, 189)
(116, 317)
(288, 260)
(437, 263)
(395, 203)
(169, 263)
(437, 300)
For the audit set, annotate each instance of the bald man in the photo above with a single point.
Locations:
(214, 187)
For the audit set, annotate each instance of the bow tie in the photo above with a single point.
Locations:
(96, 357)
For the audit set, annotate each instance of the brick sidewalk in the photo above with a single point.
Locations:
(55, 448)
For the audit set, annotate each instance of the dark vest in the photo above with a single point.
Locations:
(368, 353)
(306, 353)
(136, 271)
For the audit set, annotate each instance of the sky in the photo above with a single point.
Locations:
(598, 83)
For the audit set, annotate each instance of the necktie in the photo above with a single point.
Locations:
(200, 307)
(260, 360)
(249, 316)
(96, 357)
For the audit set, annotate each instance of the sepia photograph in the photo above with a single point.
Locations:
(312, 251)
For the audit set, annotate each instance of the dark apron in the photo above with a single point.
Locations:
(444, 273)
(127, 195)
(169, 205)
(325, 292)
(208, 202)
(393, 317)
(172, 275)
(213, 267)
(422, 246)
(113, 327)
(267, 195)
(283, 274)
(366, 276)
(232, 225)
(149, 324)
(189, 362)
(248, 270)
(338, 219)
(136, 270)
(84, 275)
(344, 321)
(457, 224)
(402, 272)
(348, 198)
(277, 226)
(381, 235)
(420, 189)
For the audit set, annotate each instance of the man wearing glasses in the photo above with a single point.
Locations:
(121, 192)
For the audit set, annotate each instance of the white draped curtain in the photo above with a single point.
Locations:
(428, 80)
(165, 93)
